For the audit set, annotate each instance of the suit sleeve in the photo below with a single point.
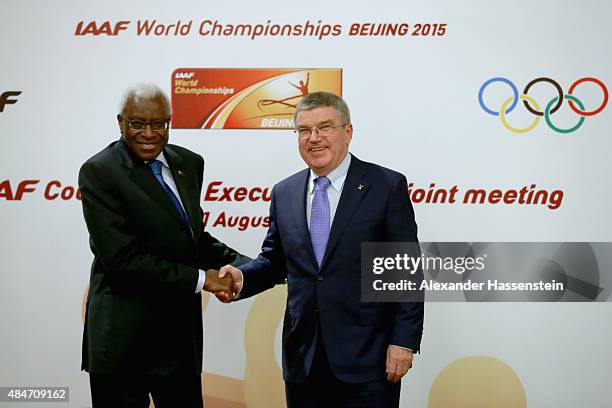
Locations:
(127, 265)
(401, 227)
(269, 268)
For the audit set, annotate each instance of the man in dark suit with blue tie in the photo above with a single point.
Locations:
(337, 351)
(152, 259)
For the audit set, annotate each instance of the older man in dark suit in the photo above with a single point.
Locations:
(152, 259)
(337, 351)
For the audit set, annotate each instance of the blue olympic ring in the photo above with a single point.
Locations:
(498, 79)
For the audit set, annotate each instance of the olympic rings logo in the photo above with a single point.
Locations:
(551, 107)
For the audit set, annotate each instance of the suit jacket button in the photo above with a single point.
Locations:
(320, 278)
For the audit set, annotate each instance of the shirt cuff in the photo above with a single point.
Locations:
(201, 281)
(237, 295)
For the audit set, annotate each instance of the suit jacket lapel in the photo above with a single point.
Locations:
(186, 190)
(143, 177)
(354, 189)
(299, 206)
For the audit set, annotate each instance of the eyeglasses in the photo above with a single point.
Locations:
(325, 130)
(156, 126)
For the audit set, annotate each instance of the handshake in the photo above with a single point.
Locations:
(224, 283)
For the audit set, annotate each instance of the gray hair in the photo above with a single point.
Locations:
(321, 99)
(143, 90)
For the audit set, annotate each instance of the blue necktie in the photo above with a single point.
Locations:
(156, 168)
(320, 218)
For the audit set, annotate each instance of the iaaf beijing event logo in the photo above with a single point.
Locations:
(241, 98)
(552, 106)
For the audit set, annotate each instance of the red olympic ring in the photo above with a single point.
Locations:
(593, 112)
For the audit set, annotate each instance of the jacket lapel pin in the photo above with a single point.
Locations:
(180, 172)
(360, 187)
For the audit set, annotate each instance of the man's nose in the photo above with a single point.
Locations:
(148, 131)
(314, 135)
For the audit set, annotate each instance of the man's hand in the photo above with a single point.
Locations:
(236, 276)
(399, 361)
(219, 284)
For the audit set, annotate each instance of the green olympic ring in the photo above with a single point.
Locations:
(549, 122)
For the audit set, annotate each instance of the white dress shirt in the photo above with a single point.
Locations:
(336, 177)
(169, 179)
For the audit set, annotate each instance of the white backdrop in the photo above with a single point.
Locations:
(415, 109)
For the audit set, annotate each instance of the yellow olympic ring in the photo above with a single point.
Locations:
(502, 114)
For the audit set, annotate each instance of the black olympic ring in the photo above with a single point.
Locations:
(550, 81)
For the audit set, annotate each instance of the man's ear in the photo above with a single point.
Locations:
(349, 131)
(120, 123)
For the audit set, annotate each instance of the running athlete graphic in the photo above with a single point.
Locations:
(302, 87)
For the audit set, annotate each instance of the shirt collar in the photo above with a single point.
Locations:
(161, 158)
(336, 176)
